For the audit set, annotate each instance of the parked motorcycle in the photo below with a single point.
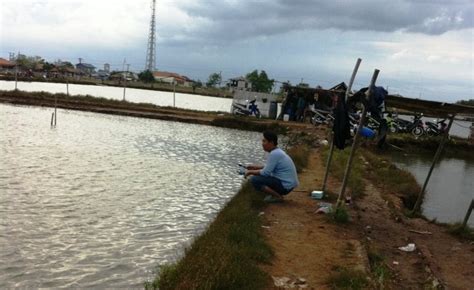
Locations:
(318, 117)
(248, 109)
(416, 128)
(435, 129)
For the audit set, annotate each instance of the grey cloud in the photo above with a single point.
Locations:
(257, 18)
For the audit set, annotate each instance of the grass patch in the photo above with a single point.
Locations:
(339, 215)
(227, 255)
(345, 278)
(249, 124)
(299, 154)
(379, 269)
(338, 167)
(462, 232)
(454, 147)
(386, 175)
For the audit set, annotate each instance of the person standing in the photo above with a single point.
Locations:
(278, 177)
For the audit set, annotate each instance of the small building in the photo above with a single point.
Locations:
(6, 65)
(171, 78)
(239, 83)
(85, 68)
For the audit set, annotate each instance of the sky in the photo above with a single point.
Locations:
(423, 48)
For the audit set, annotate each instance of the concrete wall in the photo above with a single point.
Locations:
(241, 96)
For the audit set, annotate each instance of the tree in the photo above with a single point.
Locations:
(466, 102)
(213, 80)
(260, 81)
(146, 76)
(28, 62)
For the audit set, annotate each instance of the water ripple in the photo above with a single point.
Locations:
(101, 200)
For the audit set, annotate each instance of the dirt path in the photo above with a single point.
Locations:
(309, 246)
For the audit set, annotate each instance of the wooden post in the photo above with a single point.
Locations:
(354, 143)
(67, 87)
(16, 76)
(331, 149)
(52, 119)
(328, 163)
(435, 159)
(174, 94)
(468, 214)
(55, 108)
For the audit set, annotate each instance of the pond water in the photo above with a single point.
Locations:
(450, 189)
(185, 101)
(100, 200)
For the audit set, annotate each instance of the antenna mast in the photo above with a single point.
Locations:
(151, 49)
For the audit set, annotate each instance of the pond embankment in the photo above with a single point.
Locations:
(142, 110)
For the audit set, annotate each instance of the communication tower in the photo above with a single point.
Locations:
(151, 49)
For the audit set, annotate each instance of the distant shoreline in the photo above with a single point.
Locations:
(209, 92)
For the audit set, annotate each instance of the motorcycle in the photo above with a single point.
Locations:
(318, 117)
(416, 128)
(247, 109)
(435, 129)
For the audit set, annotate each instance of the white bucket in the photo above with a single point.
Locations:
(286, 117)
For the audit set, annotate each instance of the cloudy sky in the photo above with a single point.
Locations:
(424, 48)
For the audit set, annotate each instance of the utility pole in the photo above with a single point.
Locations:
(16, 70)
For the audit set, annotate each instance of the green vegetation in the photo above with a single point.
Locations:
(383, 173)
(338, 167)
(214, 80)
(379, 269)
(340, 215)
(146, 76)
(466, 102)
(260, 81)
(348, 279)
(299, 155)
(463, 232)
(250, 124)
(454, 147)
(227, 255)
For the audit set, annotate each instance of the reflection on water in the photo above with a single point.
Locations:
(101, 200)
(450, 189)
(185, 101)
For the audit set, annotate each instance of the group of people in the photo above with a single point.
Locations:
(299, 106)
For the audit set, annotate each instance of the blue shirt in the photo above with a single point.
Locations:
(280, 165)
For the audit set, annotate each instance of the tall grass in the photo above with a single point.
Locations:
(338, 167)
(227, 255)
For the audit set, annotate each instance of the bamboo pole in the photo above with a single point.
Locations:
(55, 108)
(354, 143)
(328, 163)
(468, 213)
(435, 159)
(174, 94)
(331, 150)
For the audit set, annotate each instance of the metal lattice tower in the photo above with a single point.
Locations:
(151, 49)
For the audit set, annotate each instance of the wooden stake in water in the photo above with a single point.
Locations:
(468, 213)
(52, 119)
(55, 108)
(354, 143)
(435, 159)
(174, 94)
